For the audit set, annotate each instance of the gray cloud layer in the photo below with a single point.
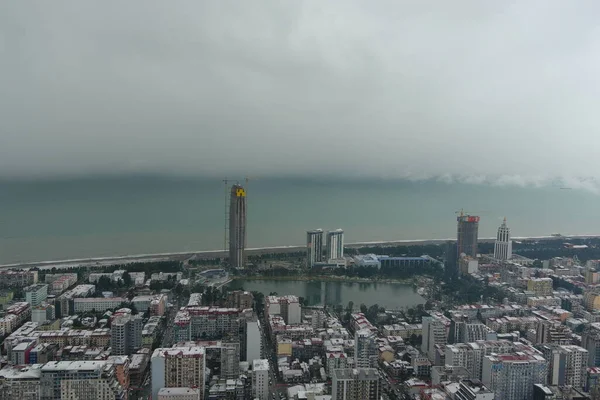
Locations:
(507, 89)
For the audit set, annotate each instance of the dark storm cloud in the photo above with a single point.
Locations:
(505, 91)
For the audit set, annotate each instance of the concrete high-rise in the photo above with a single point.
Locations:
(355, 384)
(126, 334)
(503, 245)
(177, 367)
(467, 231)
(335, 244)
(260, 379)
(314, 247)
(237, 226)
(365, 349)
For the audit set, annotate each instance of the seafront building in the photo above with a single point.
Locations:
(36, 294)
(314, 247)
(237, 226)
(467, 234)
(503, 244)
(335, 244)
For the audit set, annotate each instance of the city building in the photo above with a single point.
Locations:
(97, 304)
(155, 304)
(314, 247)
(567, 365)
(195, 323)
(472, 389)
(540, 286)
(435, 332)
(182, 393)
(503, 244)
(468, 265)
(590, 340)
(240, 299)
(552, 332)
(20, 382)
(80, 380)
(467, 232)
(177, 367)
(512, 376)
(365, 349)
(335, 244)
(287, 306)
(36, 294)
(126, 334)
(17, 278)
(237, 226)
(42, 313)
(355, 384)
(260, 379)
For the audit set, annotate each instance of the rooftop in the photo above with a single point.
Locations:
(260, 365)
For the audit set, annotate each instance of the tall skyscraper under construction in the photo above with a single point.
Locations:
(467, 231)
(237, 226)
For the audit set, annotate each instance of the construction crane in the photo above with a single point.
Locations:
(226, 214)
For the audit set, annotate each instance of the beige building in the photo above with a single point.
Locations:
(177, 367)
(540, 286)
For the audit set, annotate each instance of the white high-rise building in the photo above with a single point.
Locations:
(335, 244)
(314, 247)
(503, 245)
(365, 349)
(512, 376)
(260, 379)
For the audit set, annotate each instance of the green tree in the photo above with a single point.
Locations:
(127, 279)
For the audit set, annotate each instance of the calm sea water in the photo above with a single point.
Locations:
(389, 295)
(107, 217)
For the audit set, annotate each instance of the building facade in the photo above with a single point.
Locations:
(467, 233)
(335, 244)
(503, 244)
(314, 247)
(260, 379)
(355, 384)
(237, 226)
(177, 367)
(365, 349)
(36, 294)
(126, 334)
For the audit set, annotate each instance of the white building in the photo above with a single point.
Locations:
(503, 245)
(435, 332)
(355, 384)
(36, 294)
(80, 380)
(468, 265)
(182, 393)
(286, 306)
(512, 376)
(99, 304)
(260, 379)
(367, 260)
(365, 349)
(177, 367)
(314, 247)
(335, 244)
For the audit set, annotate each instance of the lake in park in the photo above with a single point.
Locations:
(388, 295)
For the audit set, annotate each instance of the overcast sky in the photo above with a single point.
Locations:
(500, 90)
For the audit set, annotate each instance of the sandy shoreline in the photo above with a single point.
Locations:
(180, 256)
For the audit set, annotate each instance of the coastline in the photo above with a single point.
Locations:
(181, 256)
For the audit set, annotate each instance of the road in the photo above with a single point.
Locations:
(168, 339)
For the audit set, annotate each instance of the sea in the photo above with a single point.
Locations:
(44, 220)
